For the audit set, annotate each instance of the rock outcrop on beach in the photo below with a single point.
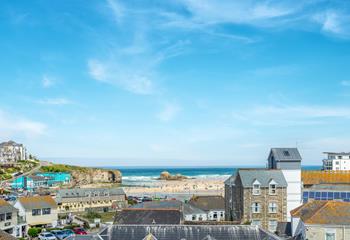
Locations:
(165, 175)
(93, 175)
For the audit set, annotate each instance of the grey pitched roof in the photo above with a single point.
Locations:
(207, 203)
(285, 154)
(186, 232)
(264, 176)
(231, 180)
(5, 207)
(148, 216)
(82, 192)
(186, 208)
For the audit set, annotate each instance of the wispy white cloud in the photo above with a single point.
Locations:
(55, 101)
(345, 83)
(47, 81)
(272, 115)
(334, 22)
(133, 78)
(12, 126)
(169, 112)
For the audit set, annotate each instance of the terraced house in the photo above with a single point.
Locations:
(37, 210)
(83, 199)
(256, 196)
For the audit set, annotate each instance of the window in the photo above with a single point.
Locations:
(215, 215)
(46, 211)
(272, 189)
(256, 187)
(286, 153)
(330, 234)
(337, 163)
(340, 157)
(193, 217)
(8, 216)
(256, 223)
(256, 207)
(272, 225)
(272, 207)
(2, 217)
(36, 212)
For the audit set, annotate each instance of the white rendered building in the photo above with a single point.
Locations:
(337, 161)
(289, 161)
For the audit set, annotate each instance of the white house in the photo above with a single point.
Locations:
(337, 161)
(213, 206)
(37, 210)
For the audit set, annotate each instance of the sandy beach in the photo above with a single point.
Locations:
(178, 189)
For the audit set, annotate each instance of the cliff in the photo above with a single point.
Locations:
(85, 175)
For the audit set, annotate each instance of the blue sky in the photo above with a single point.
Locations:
(180, 82)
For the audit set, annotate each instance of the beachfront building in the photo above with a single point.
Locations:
(288, 160)
(337, 161)
(84, 199)
(189, 212)
(177, 232)
(257, 196)
(11, 152)
(55, 178)
(37, 210)
(316, 220)
(213, 206)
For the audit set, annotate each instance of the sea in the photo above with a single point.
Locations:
(142, 176)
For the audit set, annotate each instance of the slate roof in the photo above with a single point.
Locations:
(37, 202)
(170, 204)
(85, 237)
(148, 216)
(5, 236)
(323, 213)
(286, 154)
(264, 176)
(207, 203)
(325, 177)
(81, 192)
(186, 232)
(5, 207)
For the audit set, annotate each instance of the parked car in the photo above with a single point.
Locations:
(68, 232)
(59, 234)
(47, 236)
(79, 231)
(146, 199)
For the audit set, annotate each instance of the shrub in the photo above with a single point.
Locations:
(34, 232)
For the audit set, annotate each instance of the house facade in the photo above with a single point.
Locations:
(83, 199)
(37, 210)
(213, 206)
(256, 197)
(337, 161)
(316, 220)
(11, 152)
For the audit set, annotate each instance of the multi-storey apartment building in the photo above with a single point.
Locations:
(256, 196)
(337, 161)
(11, 152)
(83, 199)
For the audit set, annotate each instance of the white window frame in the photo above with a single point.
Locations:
(256, 190)
(256, 207)
(330, 231)
(258, 221)
(272, 191)
(273, 205)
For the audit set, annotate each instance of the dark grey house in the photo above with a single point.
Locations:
(284, 158)
(148, 216)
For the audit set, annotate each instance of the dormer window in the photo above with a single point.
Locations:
(286, 153)
(256, 187)
(272, 187)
